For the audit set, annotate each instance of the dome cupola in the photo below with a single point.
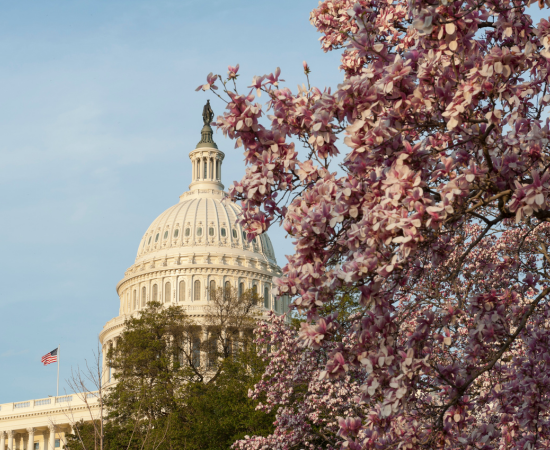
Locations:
(206, 159)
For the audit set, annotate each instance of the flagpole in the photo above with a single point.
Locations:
(58, 358)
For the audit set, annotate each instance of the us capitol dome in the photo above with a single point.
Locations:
(194, 247)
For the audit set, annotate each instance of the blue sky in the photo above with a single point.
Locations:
(98, 112)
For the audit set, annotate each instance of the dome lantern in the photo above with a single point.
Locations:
(206, 159)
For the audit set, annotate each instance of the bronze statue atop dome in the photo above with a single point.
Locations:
(207, 139)
(207, 113)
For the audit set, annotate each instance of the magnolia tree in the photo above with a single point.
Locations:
(421, 183)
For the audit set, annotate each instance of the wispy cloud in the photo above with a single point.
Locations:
(13, 353)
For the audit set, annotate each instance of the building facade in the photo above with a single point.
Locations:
(188, 251)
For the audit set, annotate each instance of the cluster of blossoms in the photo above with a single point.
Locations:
(310, 404)
(436, 219)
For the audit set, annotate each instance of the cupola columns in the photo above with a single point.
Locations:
(206, 159)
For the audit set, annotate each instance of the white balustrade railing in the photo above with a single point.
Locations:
(41, 404)
(22, 405)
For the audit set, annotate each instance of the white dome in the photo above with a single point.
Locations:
(196, 246)
(203, 220)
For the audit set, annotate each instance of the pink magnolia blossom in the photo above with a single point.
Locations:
(232, 72)
(273, 79)
(210, 80)
(423, 194)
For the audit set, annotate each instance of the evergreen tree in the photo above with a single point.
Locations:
(180, 385)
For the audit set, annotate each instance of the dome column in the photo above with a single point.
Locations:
(11, 434)
(52, 437)
(206, 346)
(30, 439)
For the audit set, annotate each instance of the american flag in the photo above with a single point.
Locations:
(49, 358)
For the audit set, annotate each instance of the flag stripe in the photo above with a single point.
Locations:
(49, 358)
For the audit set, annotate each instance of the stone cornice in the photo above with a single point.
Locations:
(192, 269)
(10, 415)
(192, 310)
(60, 410)
(108, 327)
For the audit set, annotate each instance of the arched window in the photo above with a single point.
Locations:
(143, 296)
(276, 304)
(157, 237)
(241, 289)
(187, 231)
(197, 290)
(182, 291)
(199, 231)
(167, 293)
(210, 231)
(223, 232)
(234, 234)
(244, 236)
(165, 234)
(227, 286)
(255, 292)
(176, 232)
(266, 297)
(212, 288)
(155, 292)
(149, 240)
(135, 300)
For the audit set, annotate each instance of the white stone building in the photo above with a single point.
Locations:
(190, 249)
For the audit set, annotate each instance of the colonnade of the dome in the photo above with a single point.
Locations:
(190, 288)
(201, 358)
(206, 167)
